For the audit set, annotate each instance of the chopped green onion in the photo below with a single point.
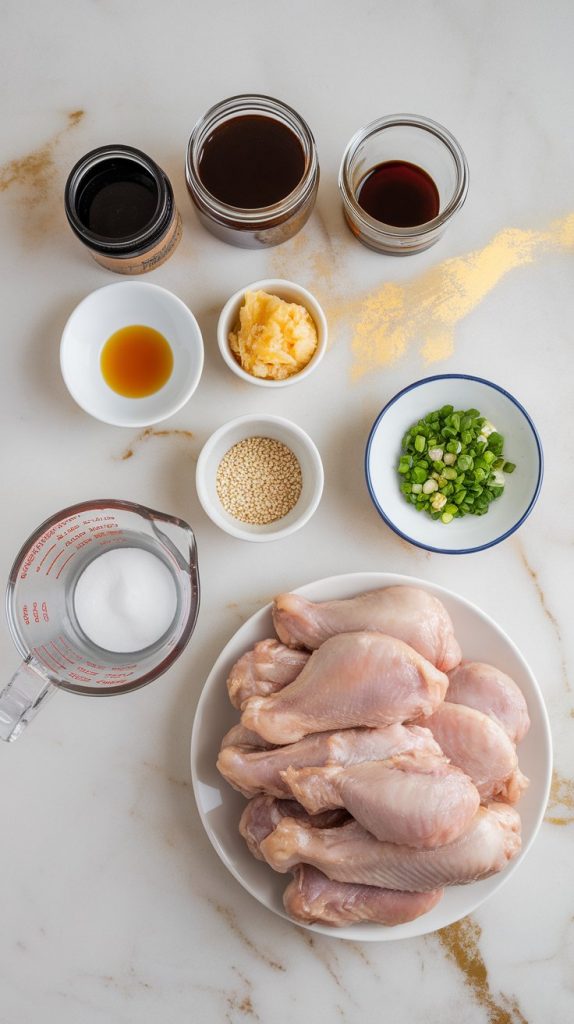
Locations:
(452, 463)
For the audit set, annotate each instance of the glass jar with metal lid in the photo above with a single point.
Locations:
(252, 171)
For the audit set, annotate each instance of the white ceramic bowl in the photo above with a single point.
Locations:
(522, 446)
(220, 806)
(290, 292)
(107, 310)
(260, 426)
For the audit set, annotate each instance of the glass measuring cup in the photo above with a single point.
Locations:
(40, 606)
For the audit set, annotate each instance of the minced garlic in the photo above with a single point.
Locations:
(274, 339)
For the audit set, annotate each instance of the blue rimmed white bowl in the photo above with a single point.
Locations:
(522, 446)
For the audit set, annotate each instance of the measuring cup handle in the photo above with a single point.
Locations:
(25, 694)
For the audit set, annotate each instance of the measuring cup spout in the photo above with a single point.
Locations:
(28, 689)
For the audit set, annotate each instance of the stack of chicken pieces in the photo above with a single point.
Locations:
(379, 768)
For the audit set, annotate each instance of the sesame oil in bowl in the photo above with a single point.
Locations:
(136, 361)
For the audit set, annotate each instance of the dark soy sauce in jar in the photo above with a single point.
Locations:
(251, 161)
(400, 194)
(119, 200)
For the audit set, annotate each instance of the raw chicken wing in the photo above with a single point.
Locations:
(491, 691)
(353, 679)
(407, 613)
(351, 854)
(415, 799)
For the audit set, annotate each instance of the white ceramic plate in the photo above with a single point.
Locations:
(220, 806)
(522, 446)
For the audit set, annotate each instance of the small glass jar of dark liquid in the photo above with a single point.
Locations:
(252, 171)
(402, 179)
(120, 205)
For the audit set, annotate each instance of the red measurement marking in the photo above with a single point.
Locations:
(65, 643)
(62, 565)
(70, 661)
(44, 557)
(44, 655)
(54, 560)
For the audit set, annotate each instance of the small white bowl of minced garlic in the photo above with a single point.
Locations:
(272, 333)
(259, 478)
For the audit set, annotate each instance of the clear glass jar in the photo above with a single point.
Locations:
(132, 238)
(414, 140)
(261, 226)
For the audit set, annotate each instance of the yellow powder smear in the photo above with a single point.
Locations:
(560, 810)
(389, 319)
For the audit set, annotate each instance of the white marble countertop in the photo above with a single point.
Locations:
(114, 906)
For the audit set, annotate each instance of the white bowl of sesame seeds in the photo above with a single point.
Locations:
(259, 478)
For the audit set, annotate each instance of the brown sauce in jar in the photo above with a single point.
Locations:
(118, 200)
(400, 194)
(251, 161)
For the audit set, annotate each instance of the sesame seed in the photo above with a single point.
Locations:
(259, 480)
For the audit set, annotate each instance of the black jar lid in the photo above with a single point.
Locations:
(110, 165)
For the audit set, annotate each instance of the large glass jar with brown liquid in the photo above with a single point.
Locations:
(252, 171)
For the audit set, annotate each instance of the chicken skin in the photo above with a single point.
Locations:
(415, 799)
(406, 613)
(254, 771)
(351, 854)
(480, 746)
(268, 667)
(491, 691)
(353, 679)
(311, 897)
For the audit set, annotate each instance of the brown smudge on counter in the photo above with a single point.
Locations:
(560, 810)
(244, 1004)
(228, 915)
(148, 433)
(549, 615)
(245, 1007)
(35, 179)
(391, 318)
(460, 941)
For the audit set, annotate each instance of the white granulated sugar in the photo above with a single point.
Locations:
(125, 599)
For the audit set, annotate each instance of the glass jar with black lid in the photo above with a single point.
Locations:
(252, 171)
(120, 204)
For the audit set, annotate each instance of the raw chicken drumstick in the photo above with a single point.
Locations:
(353, 679)
(268, 667)
(260, 771)
(239, 736)
(491, 691)
(480, 746)
(311, 897)
(407, 613)
(263, 814)
(351, 854)
(416, 799)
